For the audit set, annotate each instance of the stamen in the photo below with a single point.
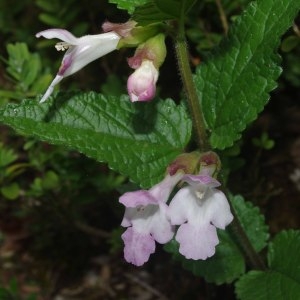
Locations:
(62, 46)
(200, 192)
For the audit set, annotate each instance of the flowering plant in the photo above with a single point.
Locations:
(176, 150)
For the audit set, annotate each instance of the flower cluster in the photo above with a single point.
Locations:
(149, 55)
(198, 209)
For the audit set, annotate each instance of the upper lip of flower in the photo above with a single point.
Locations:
(80, 51)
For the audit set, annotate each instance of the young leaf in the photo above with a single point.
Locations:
(138, 140)
(282, 281)
(128, 5)
(228, 262)
(10, 191)
(252, 221)
(235, 81)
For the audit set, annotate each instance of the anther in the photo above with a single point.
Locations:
(62, 46)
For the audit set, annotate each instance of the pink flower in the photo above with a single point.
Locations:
(122, 29)
(147, 220)
(80, 51)
(199, 209)
(141, 85)
(147, 59)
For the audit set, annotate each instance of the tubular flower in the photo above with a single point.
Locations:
(141, 85)
(199, 209)
(147, 220)
(148, 57)
(80, 51)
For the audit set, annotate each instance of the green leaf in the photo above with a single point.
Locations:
(138, 140)
(174, 7)
(235, 81)
(225, 266)
(148, 14)
(128, 5)
(228, 262)
(284, 255)
(7, 156)
(252, 221)
(31, 69)
(11, 191)
(5, 294)
(282, 281)
(50, 181)
(158, 11)
(289, 43)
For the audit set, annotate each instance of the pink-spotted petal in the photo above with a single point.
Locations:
(60, 34)
(197, 242)
(138, 246)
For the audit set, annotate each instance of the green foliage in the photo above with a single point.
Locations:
(130, 6)
(289, 43)
(158, 11)
(174, 8)
(55, 14)
(11, 191)
(9, 170)
(25, 70)
(282, 280)
(235, 81)
(225, 266)
(136, 140)
(228, 262)
(264, 142)
(252, 221)
(13, 293)
(7, 156)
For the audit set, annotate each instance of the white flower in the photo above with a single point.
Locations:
(80, 51)
(199, 209)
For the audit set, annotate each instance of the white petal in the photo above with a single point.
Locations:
(197, 241)
(218, 209)
(161, 228)
(182, 206)
(89, 48)
(60, 34)
(49, 91)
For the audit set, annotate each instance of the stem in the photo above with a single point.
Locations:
(199, 126)
(192, 97)
(222, 16)
(239, 233)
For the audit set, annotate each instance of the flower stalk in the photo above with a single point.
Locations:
(239, 233)
(192, 97)
(235, 227)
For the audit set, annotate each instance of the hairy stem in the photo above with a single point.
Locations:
(199, 126)
(192, 97)
(235, 227)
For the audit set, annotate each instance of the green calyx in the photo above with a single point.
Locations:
(139, 35)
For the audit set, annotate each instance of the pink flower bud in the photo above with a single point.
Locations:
(141, 85)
